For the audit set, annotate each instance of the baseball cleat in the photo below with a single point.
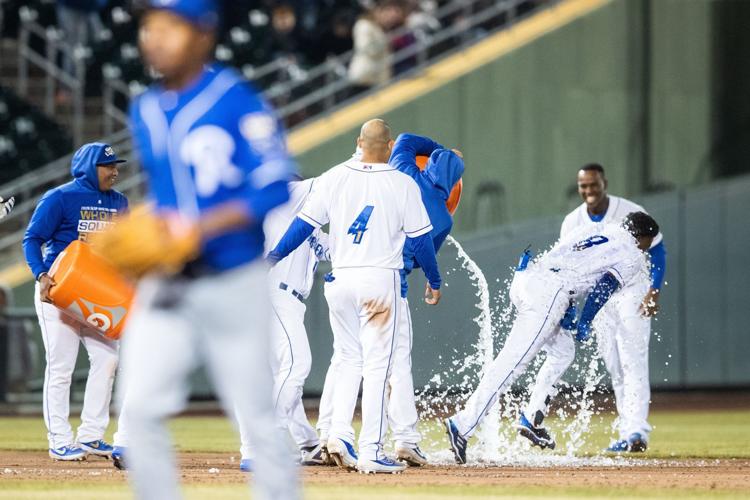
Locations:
(412, 455)
(618, 446)
(312, 455)
(327, 460)
(67, 453)
(457, 441)
(342, 453)
(383, 465)
(537, 435)
(118, 457)
(99, 448)
(637, 443)
(246, 465)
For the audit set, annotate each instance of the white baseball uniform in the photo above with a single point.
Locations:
(290, 282)
(622, 334)
(371, 209)
(540, 295)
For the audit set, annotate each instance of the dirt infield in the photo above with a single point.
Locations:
(219, 468)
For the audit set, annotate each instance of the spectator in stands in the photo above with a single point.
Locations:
(334, 39)
(395, 15)
(80, 22)
(286, 40)
(371, 63)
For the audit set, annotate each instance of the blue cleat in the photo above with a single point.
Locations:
(246, 465)
(620, 446)
(537, 435)
(118, 457)
(637, 443)
(381, 465)
(457, 441)
(99, 448)
(67, 453)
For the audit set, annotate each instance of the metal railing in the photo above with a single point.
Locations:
(54, 75)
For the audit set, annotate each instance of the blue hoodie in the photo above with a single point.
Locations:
(443, 170)
(71, 211)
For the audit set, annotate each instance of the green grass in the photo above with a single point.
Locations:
(677, 434)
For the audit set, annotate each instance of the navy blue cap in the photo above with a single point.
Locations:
(106, 155)
(204, 14)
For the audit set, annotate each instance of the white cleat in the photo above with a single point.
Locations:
(382, 465)
(412, 455)
(342, 453)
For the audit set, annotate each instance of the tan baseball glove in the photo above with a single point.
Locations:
(143, 242)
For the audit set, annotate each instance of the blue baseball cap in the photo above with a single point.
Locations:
(204, 14)
(104, 154)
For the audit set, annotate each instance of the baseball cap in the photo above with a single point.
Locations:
(204, 14)
(105, 154)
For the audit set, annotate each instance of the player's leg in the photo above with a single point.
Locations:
(295, 361)
(632, 340)
(402, 408)
(605, 325)
(61, 343)
(103, 357)
(379, 293)
(561, 351)
(343, 313)
(540, 306)
(158, 352)
(235, 337)
(325, 408)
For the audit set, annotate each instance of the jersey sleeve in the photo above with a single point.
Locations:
(416, 220)
(315, 209)
(44, 222)
(629, 268)
(567, 225)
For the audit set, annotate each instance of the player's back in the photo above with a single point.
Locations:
(371, 208)
(584, 255)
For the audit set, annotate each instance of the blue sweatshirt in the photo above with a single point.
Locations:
(443, 170)
(70, 212)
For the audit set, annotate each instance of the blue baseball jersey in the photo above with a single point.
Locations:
(216, 141)
(70, 212)
(443, 170)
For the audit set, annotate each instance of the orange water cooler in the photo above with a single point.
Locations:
(91, 290)
(455, 197)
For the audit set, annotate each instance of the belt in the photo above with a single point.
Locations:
(295, 293)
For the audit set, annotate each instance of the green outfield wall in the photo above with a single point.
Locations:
(654, 90)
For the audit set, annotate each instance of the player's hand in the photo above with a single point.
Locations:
(45, 284)
(458, 153)
(650, 304)
(432, 297)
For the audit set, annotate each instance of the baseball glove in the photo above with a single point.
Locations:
(143, 242)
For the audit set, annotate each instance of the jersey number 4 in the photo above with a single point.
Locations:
(359, 226)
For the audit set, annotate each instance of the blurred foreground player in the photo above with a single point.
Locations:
(623, 329)
(597, 263)
(216, 163)
(73, 211)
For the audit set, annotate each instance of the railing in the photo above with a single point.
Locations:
(331, 76)
(47, 62)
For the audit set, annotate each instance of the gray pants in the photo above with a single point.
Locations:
(220, 321)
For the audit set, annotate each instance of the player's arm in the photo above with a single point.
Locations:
(298, 231)
(650, 305)
(603, 290)
(6, 206)
(417, 227)
(406, 149)
(43, 224)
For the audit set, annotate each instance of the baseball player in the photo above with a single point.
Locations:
(6, 206)
(623, 329)
(215, 158)
(372, 209)
(600, 263)
(290, 282)
(443, 170)
(74, 211)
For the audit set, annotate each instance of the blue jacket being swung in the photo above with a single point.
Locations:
(71, 211)
(444, 168)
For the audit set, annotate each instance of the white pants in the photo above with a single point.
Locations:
(623, 335)
(219, 320)
(62, 335)
(402, 408)
(325, 410)
(540, 301)
(290, 363)
(363, 304)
